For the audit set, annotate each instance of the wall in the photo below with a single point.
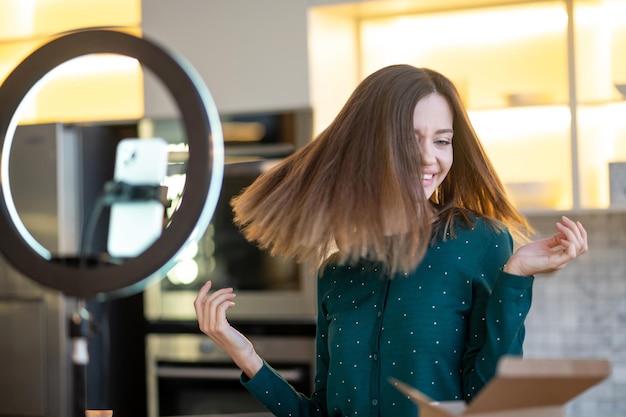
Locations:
(252, 55)
(580, 312)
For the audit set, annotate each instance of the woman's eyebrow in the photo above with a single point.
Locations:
(437, 132)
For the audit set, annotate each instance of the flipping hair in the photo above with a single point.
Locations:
(356, 189)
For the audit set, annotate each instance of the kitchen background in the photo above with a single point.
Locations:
(544, 96)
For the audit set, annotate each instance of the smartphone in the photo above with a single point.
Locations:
(135, 225)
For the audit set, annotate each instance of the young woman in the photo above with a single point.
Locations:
(398, 204)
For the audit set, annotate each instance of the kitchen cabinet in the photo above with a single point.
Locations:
(538, 78)
(91, 88)
(251, 54)
(34, 353)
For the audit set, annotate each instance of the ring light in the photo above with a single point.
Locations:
(204, 167)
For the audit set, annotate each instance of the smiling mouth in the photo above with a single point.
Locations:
(427, 177)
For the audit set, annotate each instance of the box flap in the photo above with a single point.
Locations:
(524, 383)
(427, 407)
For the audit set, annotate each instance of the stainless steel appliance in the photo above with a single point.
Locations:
(276, 302)
(189, 375)
(56, 173)
(268, 288)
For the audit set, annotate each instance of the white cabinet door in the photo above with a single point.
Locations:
(251, 54)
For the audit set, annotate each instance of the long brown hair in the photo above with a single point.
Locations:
(356, 189)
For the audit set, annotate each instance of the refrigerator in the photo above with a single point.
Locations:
(56, 173)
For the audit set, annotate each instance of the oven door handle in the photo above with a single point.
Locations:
(291, 375)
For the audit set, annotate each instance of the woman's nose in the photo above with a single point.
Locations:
(428, 157)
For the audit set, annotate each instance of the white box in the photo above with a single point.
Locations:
(521, 388)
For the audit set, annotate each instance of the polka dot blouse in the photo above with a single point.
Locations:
(441, 329)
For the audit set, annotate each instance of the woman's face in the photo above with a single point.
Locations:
(432, 123)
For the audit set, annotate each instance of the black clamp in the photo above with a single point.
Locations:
(116, 191)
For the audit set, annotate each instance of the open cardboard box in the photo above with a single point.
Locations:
(521, 387)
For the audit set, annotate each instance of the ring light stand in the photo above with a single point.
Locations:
(200, 194)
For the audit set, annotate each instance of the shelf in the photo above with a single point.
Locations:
(542, 97)
(572, 213)
(546, 104)
(368, 9)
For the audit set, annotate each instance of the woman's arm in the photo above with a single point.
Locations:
(211, 313)
(550, 254)
(500, 303)
(267, 385)
(502, 299)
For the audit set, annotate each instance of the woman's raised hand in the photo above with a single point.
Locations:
(211, 313)
(550, 254)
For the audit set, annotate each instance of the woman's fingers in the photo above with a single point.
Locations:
(211, 309)
(215, 308)
(583, 233)
(198, 303)
(211, 312)
(566, 241)
(573, 237)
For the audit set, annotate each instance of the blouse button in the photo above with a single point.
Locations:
(380, 313)
(375, 357)
(374, 401)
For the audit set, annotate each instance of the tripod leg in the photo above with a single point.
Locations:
(79, 331)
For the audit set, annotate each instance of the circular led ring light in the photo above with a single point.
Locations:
(204, 168)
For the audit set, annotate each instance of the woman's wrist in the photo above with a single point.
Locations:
(250, 364)
(513, 268)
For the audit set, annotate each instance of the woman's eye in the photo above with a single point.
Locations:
(443, 142)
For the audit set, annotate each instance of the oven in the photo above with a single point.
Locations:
(189, 375)
(269, 288)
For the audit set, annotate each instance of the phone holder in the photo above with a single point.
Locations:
(119, 191)
(115, 192)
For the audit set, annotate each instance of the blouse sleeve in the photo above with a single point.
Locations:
(500, 304)
(279, 397)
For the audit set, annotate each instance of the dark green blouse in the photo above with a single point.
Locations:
(441, 329)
